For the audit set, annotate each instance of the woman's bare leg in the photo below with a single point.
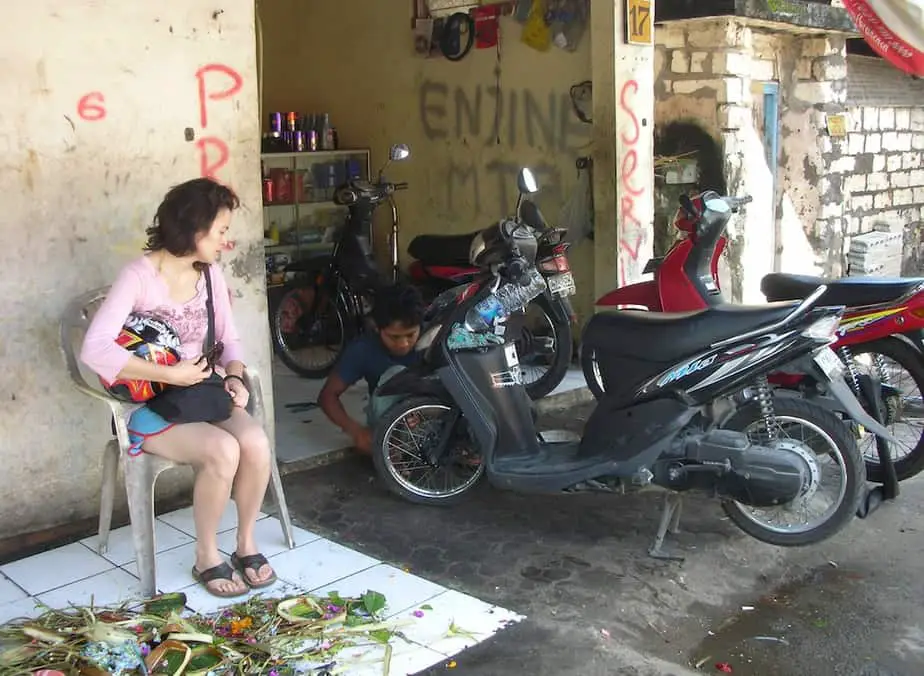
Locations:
(214, 454)
(250, 483)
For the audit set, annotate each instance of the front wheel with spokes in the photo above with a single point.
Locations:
(403, 450)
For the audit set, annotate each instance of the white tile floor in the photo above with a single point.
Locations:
(76, 574)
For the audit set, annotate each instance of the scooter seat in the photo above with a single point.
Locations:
(448, 250)
(668, 336)
(849, 291)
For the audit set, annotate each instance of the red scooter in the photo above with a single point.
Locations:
(885, 317)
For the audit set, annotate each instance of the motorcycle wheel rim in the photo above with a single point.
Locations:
(409, 452)
(752, 513)
(298, 323)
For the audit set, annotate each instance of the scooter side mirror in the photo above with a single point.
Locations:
(396, 153)
(399, 152)
(526, 182)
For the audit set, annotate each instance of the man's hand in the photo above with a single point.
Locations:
(362, 439)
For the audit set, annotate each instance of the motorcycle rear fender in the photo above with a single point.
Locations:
(561, 307)
(845, 396)
(643, 294)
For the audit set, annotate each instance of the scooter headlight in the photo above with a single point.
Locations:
(823, 330)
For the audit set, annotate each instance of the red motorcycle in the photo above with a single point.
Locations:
(884, 317)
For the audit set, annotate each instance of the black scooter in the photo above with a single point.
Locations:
(685, 392)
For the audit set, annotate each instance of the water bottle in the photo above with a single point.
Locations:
(484, 314)
(502, 303)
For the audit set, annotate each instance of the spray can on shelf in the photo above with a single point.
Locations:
(324, 137)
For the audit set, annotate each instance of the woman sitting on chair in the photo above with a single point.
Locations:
(186, 239)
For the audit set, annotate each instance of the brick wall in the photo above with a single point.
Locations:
(886, 142)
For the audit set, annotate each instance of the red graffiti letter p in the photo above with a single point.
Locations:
(233, 88)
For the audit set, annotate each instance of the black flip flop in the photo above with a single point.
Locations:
(220, 572)
(252, 562)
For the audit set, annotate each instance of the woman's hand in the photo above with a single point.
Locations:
(239, 394)
(187, 372)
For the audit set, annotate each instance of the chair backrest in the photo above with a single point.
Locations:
(74, 324)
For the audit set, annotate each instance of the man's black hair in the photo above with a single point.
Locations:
(398, 303)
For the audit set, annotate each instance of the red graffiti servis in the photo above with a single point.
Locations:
(631, 236)
(90, 107)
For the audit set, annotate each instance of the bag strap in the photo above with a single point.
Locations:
(210, 309)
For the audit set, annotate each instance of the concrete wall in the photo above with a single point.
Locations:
(355, 60)
(708, 71)
(711, 72)
(80, 183)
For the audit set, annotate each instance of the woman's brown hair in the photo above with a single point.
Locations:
(186, 210)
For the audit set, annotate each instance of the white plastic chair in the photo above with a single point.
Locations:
(141, 471)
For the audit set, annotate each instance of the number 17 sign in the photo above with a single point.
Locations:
(638, 22)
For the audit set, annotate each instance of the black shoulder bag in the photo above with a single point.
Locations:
(207, 401)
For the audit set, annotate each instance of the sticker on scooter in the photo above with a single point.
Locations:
(510, 378)
(687, 369)
(867, 320)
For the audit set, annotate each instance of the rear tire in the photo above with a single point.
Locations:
(591, 374)
(281, 345)
(855, 472)
(911, 361)
(561, 358)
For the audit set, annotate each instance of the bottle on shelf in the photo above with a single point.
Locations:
(324, 136)
(274, 232)
(311, 127)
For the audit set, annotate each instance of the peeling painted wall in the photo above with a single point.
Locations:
(355, 60)
(813, 169)
(709, 68)
(713, 74)
(97, 96)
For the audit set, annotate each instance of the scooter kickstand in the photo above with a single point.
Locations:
(670, 522)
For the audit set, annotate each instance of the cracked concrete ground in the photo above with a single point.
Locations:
(597, 604)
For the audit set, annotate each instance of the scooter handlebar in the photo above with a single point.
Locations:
(737, 202)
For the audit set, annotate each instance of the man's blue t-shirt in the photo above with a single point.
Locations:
(366, 358)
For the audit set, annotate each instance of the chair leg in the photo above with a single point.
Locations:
(107, 493)
(281, 505)
(139, 486)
